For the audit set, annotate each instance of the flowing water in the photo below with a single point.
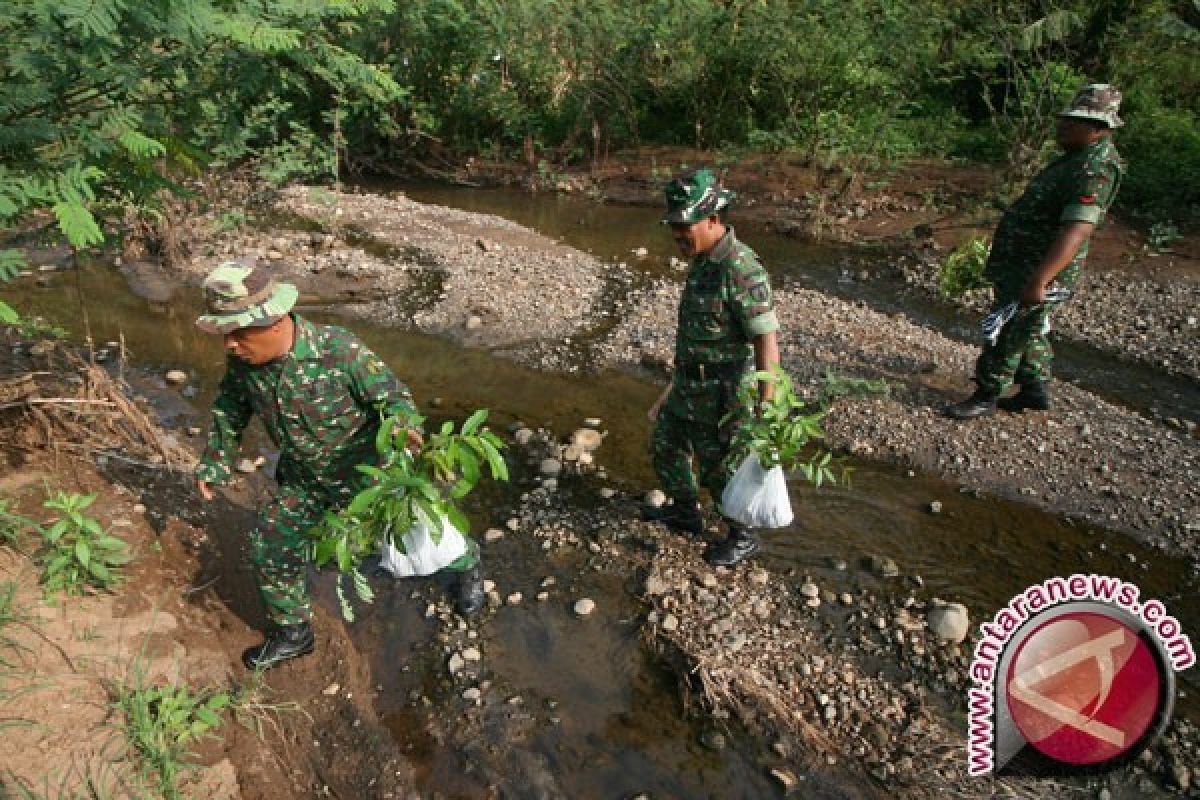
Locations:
(598, 715)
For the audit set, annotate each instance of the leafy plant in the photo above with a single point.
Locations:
(230, 220)
(962, 271)
(13, 525)
(77, 551)
(1162, 235)
(106, 104)
(161, 722)
(10, 614)
(406, 488)
(780, 433)
(835, 386)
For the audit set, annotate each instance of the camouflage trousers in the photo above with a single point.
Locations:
(689, 427)
(1021, 353)
(280, 546)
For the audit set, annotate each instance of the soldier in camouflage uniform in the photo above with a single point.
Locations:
(1037, 254)
(321, 395)
(726, 327)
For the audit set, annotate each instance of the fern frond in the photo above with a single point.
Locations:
(77, 224)
(95, 18)
(1050, 29)
(256, 35)
(11, 263)
(141, 146)
(8, 315)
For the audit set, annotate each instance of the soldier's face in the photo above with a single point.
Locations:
(692, 240)
(1076, 134)
(260, 345)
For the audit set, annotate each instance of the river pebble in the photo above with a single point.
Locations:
(949, 621)
(584, 606)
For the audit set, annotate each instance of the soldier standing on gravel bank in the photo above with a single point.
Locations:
(726, 316)
(1038, 251)
(321, 394)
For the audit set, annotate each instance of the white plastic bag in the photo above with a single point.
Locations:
(419, 555)
(756, 497)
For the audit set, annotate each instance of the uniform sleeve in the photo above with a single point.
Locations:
(1092, 193)
(230, 414)
(750, 297)
(374, 385)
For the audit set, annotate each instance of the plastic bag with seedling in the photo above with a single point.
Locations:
(776, 441)
(409, 507)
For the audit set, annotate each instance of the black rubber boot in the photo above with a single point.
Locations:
(469, 590)
(734, 549)
(1032, 397)
(980, 404)
(684, 515)
(285, 642)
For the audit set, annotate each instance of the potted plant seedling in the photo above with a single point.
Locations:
(409, 501)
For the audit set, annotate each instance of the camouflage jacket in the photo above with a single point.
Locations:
(726, 302)
(321, 405)
(1075, 187)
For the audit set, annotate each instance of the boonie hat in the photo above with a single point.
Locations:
(241, 296)
(695, 196)
(1096, 101)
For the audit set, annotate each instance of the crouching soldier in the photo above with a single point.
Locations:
(321, 394)
(727, 327)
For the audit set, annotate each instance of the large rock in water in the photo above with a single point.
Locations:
(949, 621)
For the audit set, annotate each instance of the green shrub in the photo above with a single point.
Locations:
(962, 271)
(1162, 151)
(77, 552)
(162, 722)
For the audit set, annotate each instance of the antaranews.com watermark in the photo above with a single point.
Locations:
(1080, 669)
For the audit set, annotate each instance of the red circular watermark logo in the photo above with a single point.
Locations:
(1084, 688)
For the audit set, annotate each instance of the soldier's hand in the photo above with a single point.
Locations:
(414, 439)
(205, 490)
(652, 413)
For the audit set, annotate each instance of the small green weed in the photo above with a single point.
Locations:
(962, 270)
(77, 551)
(10, 614)
(13, 526)
(1162, 235)
(835, 386)
(162, 722)
(230, 220)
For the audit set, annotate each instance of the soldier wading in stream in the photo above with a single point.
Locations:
(321, 395)
(726, 327)
(1038, 252)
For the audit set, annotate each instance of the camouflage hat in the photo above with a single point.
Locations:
(240, 296)
(1096, 101)
(695, 196)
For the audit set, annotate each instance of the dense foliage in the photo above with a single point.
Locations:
(105, 103)
(845, 82)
